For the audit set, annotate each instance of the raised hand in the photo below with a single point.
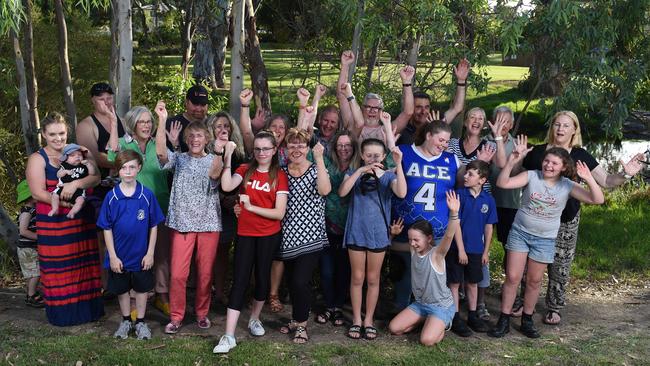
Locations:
(219, 144)
(397, 226)
(407, 74)
(385, 118)
(521, 148)
(260, 116)
(635, 164)
(320, 91)
(397, 155)
(246, 96)
(161, 112)
(174, 132)
(434, 115)
(453, 203)
(486, 153)
(229, 148)
(347, 58)
(583, 170)
(461, 70)
(497, 126)
(318, 150)
(303, 96)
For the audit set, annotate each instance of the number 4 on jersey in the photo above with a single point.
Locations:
(427, 196)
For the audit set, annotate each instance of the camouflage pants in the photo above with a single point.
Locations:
(558, 271)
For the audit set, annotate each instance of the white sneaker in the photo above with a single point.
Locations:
(226, 343)
(256, 328)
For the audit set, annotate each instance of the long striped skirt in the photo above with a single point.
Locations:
(70, 268)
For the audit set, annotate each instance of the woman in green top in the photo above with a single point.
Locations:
(334, 262)
(140, 126)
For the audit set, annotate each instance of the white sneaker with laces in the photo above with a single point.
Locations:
(256, 328)
(226, 343)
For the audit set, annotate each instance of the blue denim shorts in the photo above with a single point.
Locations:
(426, 310)
(541, 250)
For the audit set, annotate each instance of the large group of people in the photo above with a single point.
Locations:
(142, 201)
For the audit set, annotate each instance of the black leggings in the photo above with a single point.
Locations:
(257, 251)
(299, 272)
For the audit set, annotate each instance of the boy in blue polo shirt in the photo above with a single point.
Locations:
(129, 216)
(471, 247)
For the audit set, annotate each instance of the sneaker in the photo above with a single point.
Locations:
(123, 330)
(256, 328)
(204, 323)
(226, 343)
(172, 328)
(162, 306)
(142, 331)
(459, 327)
(482, 312)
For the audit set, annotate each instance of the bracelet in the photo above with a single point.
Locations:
(461, 84)
(405, 85)
(350, 98)
(226, 166)
(245, 105)
(498, 138)
(453, 217)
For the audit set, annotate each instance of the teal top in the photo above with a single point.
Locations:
(151, 176)
(336, 208)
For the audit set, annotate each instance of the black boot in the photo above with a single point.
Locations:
(502, 327)
(528, 327)
(475, 323)
(459, 326)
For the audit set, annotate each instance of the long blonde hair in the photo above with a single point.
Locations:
(576, 140)
(234, 136)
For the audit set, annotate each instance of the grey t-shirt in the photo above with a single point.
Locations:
(542, 205)
(429, 286)
(505, 198)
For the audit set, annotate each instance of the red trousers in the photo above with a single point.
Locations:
(182, 248)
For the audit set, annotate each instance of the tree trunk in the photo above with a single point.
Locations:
(8, 229)
(257, 69)
(356, 39)
(28, 129)
(204, 56)
(30, 72)
(125, 62)
(219, 36)
(187, 30)
(64, 63)
(113, 74)
(236, 65)
(372, 61)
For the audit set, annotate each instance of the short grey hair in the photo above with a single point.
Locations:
(373, 96)
(131, 119)
(503, 109)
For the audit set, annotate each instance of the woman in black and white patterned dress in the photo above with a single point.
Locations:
(303, 227)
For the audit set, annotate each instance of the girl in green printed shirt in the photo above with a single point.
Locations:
(334, 262)
(140, 126)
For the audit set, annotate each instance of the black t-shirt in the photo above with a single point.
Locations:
(407, 136)
(184, 122)
(533, 161)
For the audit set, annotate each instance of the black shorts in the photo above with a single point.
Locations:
(357, 248)
(119, 283)
(457, 273)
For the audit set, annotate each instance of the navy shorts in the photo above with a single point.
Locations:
(472, 272)
(119, 283)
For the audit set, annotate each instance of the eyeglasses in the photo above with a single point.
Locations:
(371, 108)
(343, 146)
(143, 122)
(259, 150)
(296, 147)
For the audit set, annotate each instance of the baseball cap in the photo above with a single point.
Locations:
(197, 94)
(99, 88)
(22, 191)
(69, 149)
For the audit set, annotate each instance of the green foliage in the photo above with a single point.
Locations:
(11, 15)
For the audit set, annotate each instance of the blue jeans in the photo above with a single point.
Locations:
(335, 272)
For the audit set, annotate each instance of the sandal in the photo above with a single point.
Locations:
(292, 326)
(338, 319)
(300, 337)
(354, 332)
(370, 333)
(324, 317)
(552, 317)
(35, 301)
(276, 305)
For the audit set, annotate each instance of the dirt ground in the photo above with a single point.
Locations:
(617, 308)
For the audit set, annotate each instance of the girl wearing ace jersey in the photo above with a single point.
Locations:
(263, 202)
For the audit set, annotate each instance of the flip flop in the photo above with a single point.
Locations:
(370, 333)
(354, 332)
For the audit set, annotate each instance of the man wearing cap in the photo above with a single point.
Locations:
(422, 112)
(93, 131)
(196, 108)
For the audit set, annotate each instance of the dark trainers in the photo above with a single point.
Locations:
(459, 327)
(501, 328)
(35, 301)
(477, 324)
(528, 327)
